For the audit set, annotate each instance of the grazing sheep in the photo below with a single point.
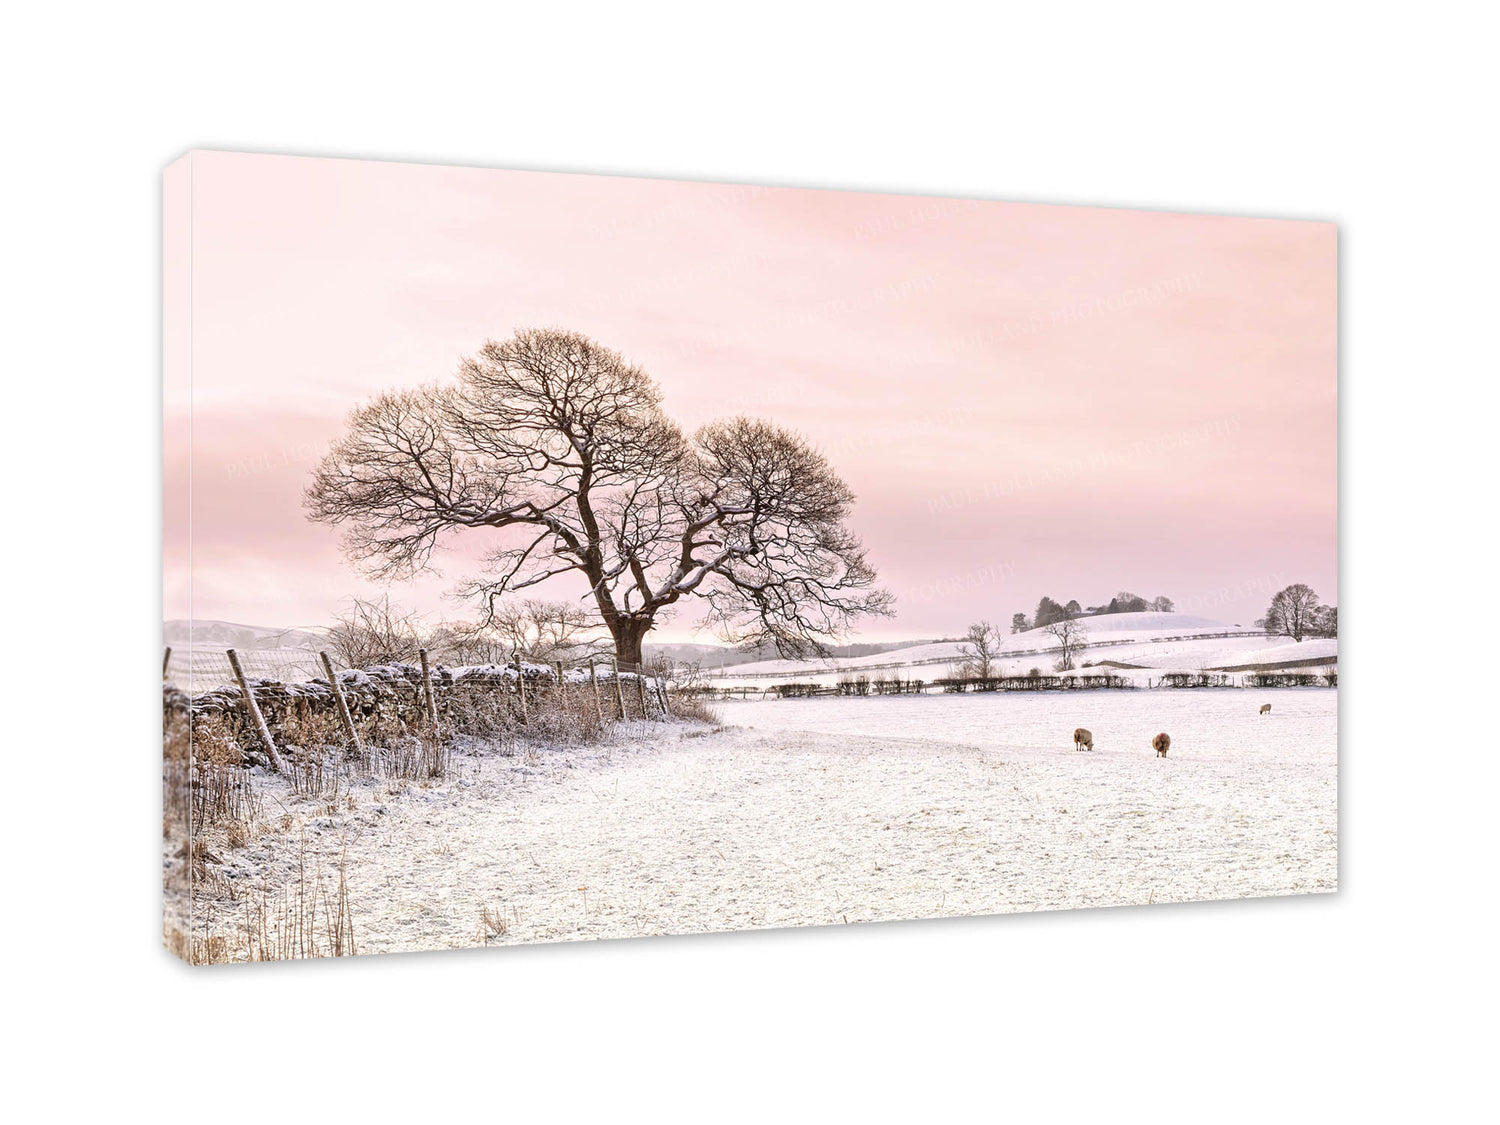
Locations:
(1265, 708)
(1083, 739)
(1160, 744)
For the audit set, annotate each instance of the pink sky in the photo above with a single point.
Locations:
(1027, 399)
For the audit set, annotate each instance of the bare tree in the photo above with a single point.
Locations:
(560, 445)
(535, 630)
(544, 631)
(462, 642)
(980, 648)
(1072, 637)
(1294, 612)
(375, 632)
(1327, 622)
(1163, 605)
(690, 675)
(661, 667)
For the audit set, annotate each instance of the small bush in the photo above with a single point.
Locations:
(695, 707)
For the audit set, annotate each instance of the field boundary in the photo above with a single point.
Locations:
(1005, 654)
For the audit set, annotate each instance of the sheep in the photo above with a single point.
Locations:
(1083, 739)
(1160, 743)
(1265, 708)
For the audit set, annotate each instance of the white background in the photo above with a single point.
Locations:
(1379, 1000)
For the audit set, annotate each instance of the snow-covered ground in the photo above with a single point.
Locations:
(1158, 641)
(808, 812)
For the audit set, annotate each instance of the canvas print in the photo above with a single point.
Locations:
(554, 557)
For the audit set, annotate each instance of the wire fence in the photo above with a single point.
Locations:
(389, 708)
(200, 669)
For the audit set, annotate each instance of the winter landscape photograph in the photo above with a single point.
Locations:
(558, 557)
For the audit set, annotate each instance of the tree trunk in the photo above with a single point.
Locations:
(629, 633)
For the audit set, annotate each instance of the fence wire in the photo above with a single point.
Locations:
(201, 669)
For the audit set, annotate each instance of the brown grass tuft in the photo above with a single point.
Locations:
(493, 920)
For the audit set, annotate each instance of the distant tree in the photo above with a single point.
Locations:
(1126, 602)
(538, 631)
(1327, 622)
(462, 643)
(661, 666)
(1073, 609)
(543, 631)
(1071, 637)
(981, 646)
(1294, 612)
(1048, 611)
(690, 675)
(1164, 605)
(373, 631)
(1018, 623)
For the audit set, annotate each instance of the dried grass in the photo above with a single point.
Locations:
(695, 707)
(304, 918)
(493, 922)
(211, 803)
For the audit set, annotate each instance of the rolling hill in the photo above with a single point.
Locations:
(1148, 641)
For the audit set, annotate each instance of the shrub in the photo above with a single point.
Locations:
(694, 707)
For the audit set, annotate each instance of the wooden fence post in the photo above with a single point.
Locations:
(427, 688)
(166, 662)
(640, 687)
(254, 709)
(338, 697)
(594, 682)
(661, 691)
(562, 690)
(521, 685)
(619, 691)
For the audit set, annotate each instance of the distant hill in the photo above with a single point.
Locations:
(228, 634)
(1151, 641)
(1140, 622)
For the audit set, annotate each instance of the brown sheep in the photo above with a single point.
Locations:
(1083, 739)
(1265, 708)
(1160, 743)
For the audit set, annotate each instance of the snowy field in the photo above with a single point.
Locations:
(821, 811)
(1154, 641)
